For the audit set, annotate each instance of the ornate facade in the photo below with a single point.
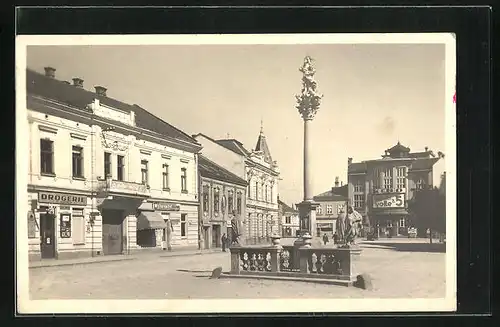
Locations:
(380, 189)
(261, 173)
(105, 177)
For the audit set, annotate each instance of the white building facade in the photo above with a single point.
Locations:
(105, 177)
(262, 175)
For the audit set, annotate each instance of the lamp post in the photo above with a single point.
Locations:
(308, 103)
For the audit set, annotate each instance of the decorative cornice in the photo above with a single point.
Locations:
(78, 136)
(47, 129)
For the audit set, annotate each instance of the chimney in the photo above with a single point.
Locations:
(100, 90)
(50, 72)
(349, 161)
(337, 181)
(78, 82)
(426, 149)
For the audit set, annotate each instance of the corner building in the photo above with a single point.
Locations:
(105, 177)
(380, 189)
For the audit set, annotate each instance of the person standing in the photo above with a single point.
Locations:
(325, 238)
(224, 242)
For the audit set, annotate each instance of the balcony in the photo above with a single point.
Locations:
(109, 187)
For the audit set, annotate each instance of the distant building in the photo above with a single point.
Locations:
(262, 174)
(105, 177)
(222, 197)
(290, 221)
(331, 203)
(380, 189)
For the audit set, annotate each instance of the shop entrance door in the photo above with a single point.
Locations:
(216, 242)
(112, 231)
(47, 236)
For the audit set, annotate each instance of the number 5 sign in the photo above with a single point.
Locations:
(388, 201)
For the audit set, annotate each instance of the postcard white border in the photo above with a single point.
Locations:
(27, 306)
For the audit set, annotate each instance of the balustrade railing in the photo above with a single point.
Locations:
(289, 259)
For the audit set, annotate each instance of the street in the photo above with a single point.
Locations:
(399, 268)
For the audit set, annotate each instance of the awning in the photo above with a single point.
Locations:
(150, 220)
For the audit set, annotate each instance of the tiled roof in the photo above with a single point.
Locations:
(210, 169)
(286, 208)
(357, 167)
(334, 194)
(233, 145)
(398, 148)
(262, 146)
(51, 88)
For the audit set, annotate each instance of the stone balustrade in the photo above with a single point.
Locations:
(300, 260)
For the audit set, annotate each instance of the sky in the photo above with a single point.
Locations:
(374, 95)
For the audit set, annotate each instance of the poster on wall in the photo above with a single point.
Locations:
(65, 225)
(389, 201)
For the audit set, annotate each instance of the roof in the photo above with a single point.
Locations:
(51, 88)
(423, 163)
(286, 208)
(357, 167)
(233, 145)
(398, 148)
(210, 169)
(333, 194)
(262, 146)
(424, 154)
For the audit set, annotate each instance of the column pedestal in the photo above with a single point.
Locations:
(307, 215)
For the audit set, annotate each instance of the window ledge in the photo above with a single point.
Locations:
(184, 192)
(78, 178)
(48, 174)
(166, 189)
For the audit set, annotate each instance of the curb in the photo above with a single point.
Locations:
(290, 279)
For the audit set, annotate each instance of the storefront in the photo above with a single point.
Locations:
(60, 225)
(325, 227)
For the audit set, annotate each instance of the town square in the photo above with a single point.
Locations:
(246, 171)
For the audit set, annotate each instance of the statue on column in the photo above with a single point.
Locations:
(309, 100)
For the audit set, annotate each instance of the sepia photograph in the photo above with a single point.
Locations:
(236, 173)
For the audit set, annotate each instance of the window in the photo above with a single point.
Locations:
(183, 180)
(359, 201)
(420, 184)
(107, 164)
(402, 222)
(120, 161)
(206, 190)
(256, 190)
(46, 157)
(165, 177)
(401, 178)
(288, 220)
(329, 209)
(78, 226)
(230, 202)
(319, 210)
(376, 178)
(77, 156)
(358, 186)
(216, 200)
(238, 203)
(144, 172)
(267, 199)
(388, 179)
(271, 193)
(183, 225)
(249, 191)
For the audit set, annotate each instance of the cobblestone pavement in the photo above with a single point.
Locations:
(399, 270)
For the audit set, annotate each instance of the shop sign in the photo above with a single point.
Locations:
(162, 206)
(61, 198)
(388, 201)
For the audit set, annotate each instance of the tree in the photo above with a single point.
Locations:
(428, 208)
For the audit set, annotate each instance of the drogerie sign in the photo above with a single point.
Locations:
(61, 198)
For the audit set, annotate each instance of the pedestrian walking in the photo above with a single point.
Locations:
(224, 242)
(335, 238)
(325, 238)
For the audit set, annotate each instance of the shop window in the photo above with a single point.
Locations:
(165, 177)
(78, 226)
(144, 172)
(329, 209)
(183, 180)
(183, 225)
(120, 163)
(46, 156)
(77, 158)
(107, 164)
